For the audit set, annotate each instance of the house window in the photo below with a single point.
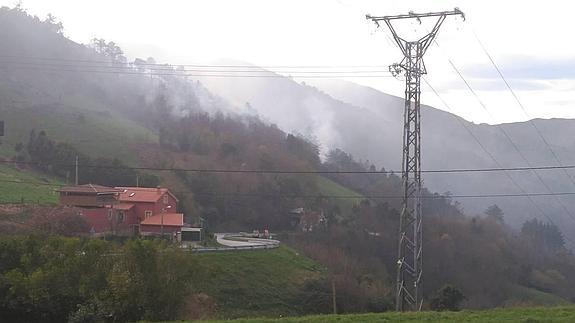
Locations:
(148, 214)
(121, 217)
(110, 212)
(165, 198)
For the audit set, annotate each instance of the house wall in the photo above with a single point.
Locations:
(161, 207)
(158, 207)
(99, 219)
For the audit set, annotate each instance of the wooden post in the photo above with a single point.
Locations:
(333, 296)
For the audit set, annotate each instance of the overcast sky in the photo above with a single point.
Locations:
(531, 41)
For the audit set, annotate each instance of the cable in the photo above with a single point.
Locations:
(175, 73)
(263, 171)
(516, 148)
(193, 65)
(537, 130)
(171, 69)
(510, 140)
(434, 196)
(523, 192)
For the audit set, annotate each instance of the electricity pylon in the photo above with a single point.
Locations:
(410, 254)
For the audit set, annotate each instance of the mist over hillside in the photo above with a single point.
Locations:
(245, 153)
(368, 124)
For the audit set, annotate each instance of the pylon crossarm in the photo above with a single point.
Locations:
(455, 11)
(427, 39)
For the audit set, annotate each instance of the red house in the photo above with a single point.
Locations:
(140, 203)
(125, 210)
(95, 203)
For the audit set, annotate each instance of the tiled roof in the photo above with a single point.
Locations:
(142, 194)
(170, 219)
(89, 189)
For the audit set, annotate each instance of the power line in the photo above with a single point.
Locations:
(211, 69)
(433, 196)
(277, 171)
(523, 192)
(514, 146)
(176, 73)
(531, 122)
(192, 65)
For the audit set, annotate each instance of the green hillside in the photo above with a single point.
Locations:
(253, 283)
(12, 191)
(550, 314)
(95, 132)
(331, 188)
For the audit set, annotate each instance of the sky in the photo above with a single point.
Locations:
(529, 41)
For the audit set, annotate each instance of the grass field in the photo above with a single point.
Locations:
(525, 295)
(13, 192)
(524, 315)
(253, 283)
(329, 187)
(98, 133)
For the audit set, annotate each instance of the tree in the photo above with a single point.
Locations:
(109, 49)
(55, 25)
(495, 212)
(546, 235)
(447, 298)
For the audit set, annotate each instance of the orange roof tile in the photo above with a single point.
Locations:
(170, 219)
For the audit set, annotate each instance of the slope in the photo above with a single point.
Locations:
(368, 124)
(12, 191)
(447, 143)
(253, 283)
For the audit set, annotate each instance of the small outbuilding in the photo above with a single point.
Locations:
(163, 223)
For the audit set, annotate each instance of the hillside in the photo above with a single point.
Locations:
(140, 120)
(83, 280)
(190, 138)
(11, 191)
(252, 284)
(447, 144)
(368, 124)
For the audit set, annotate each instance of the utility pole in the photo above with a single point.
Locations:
(333, 296)
(76, 180)
(409, 288)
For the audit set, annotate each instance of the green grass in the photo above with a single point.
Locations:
(525, 315)
(329, 187)
(95, 132)
(531, 296)
(253, 283)
(11, 192)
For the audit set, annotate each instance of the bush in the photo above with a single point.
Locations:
(447, 298)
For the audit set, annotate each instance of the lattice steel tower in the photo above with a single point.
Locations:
(410, 254)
